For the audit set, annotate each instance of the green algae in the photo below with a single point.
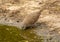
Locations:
(14, 34)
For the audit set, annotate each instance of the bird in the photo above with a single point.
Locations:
(30, 19)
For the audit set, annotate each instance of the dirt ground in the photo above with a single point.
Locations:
(13, 12)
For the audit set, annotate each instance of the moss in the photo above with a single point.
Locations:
(12, 34)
